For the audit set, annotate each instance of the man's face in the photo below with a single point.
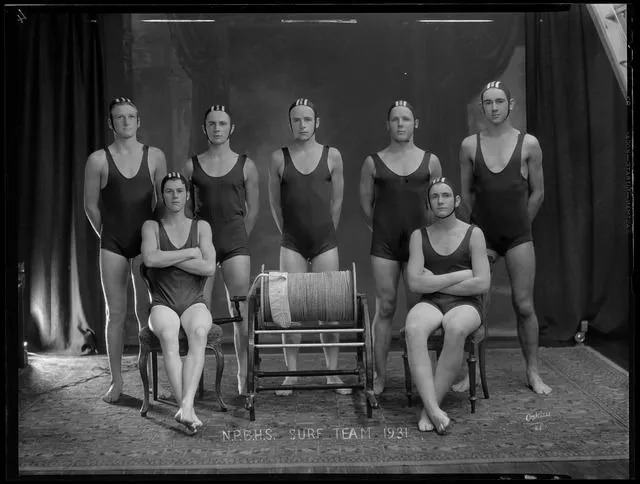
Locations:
(401, 124)
(442, 200)
(303, 122)
(218, 127)
(125, 120)
(495, 105)
(175, 195)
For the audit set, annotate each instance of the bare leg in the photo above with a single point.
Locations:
(422, 320)
(458, 323)
(165, 324)
(329, 261)
(463, 384)
(236, 274)
(521, 266)
(114, 275)
(196, 321)
(291, 261)
(386, 274)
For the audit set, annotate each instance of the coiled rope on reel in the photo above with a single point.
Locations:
(312, 296)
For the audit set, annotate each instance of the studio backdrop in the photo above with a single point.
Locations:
(353, 70)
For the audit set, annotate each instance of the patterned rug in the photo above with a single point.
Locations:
(65, 428)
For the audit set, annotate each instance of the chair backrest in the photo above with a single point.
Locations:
(144, 273)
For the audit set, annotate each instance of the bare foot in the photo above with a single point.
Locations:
(441, 422)
(334, 380)
(113, 394)
(378, 385)
(165, 393)
(424, 424)
(535, 383)
(290, 380)
(462, 385)
(191, 422)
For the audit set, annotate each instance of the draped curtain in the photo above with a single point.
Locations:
(577, 111)
(58, 107)
(454, 61)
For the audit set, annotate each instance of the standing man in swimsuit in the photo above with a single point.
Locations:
(502, 183)
(119, 196)
(305, 191)
(448, 265)
(178, 255)
(393, 196)
(226, 196)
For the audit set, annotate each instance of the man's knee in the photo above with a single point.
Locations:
(169, 341)
(523, 306)
(116, 314)
(386, 307)
(455, 333)
(199, 333)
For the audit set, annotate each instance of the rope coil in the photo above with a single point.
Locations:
(313, 296)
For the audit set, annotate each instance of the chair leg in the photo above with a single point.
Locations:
(143, 356)
(219, 370)
(483, 374)
(472, 377)
(154, 373)
(407, 375)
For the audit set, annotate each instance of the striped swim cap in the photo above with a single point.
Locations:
(403, 104)
(495, 85)
(303, 101)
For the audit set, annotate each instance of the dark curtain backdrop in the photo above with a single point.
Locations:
(577, 111)
(452, 63)
(61, 113)
(353, 72)
(202, 50)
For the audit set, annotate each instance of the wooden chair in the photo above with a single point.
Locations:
(149, 343)
(475, 344)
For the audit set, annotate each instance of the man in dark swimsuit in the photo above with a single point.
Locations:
(393, 190)
(226, 195)
(178, 254)
(118, 197)
(448, 265)
(305, 191)
(503, 187)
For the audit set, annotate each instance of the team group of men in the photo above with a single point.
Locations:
(209, 210)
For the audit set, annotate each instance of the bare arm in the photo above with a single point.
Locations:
(152, 256)
(187, 171)
(275, 173)
(92, 182)
(337, 182)
(466, 177)
(435, 172)
(159, 172)
(367, 190)
(536, 179)
(205, 265)
(423, 281)
(481, 280)
(251, 181)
